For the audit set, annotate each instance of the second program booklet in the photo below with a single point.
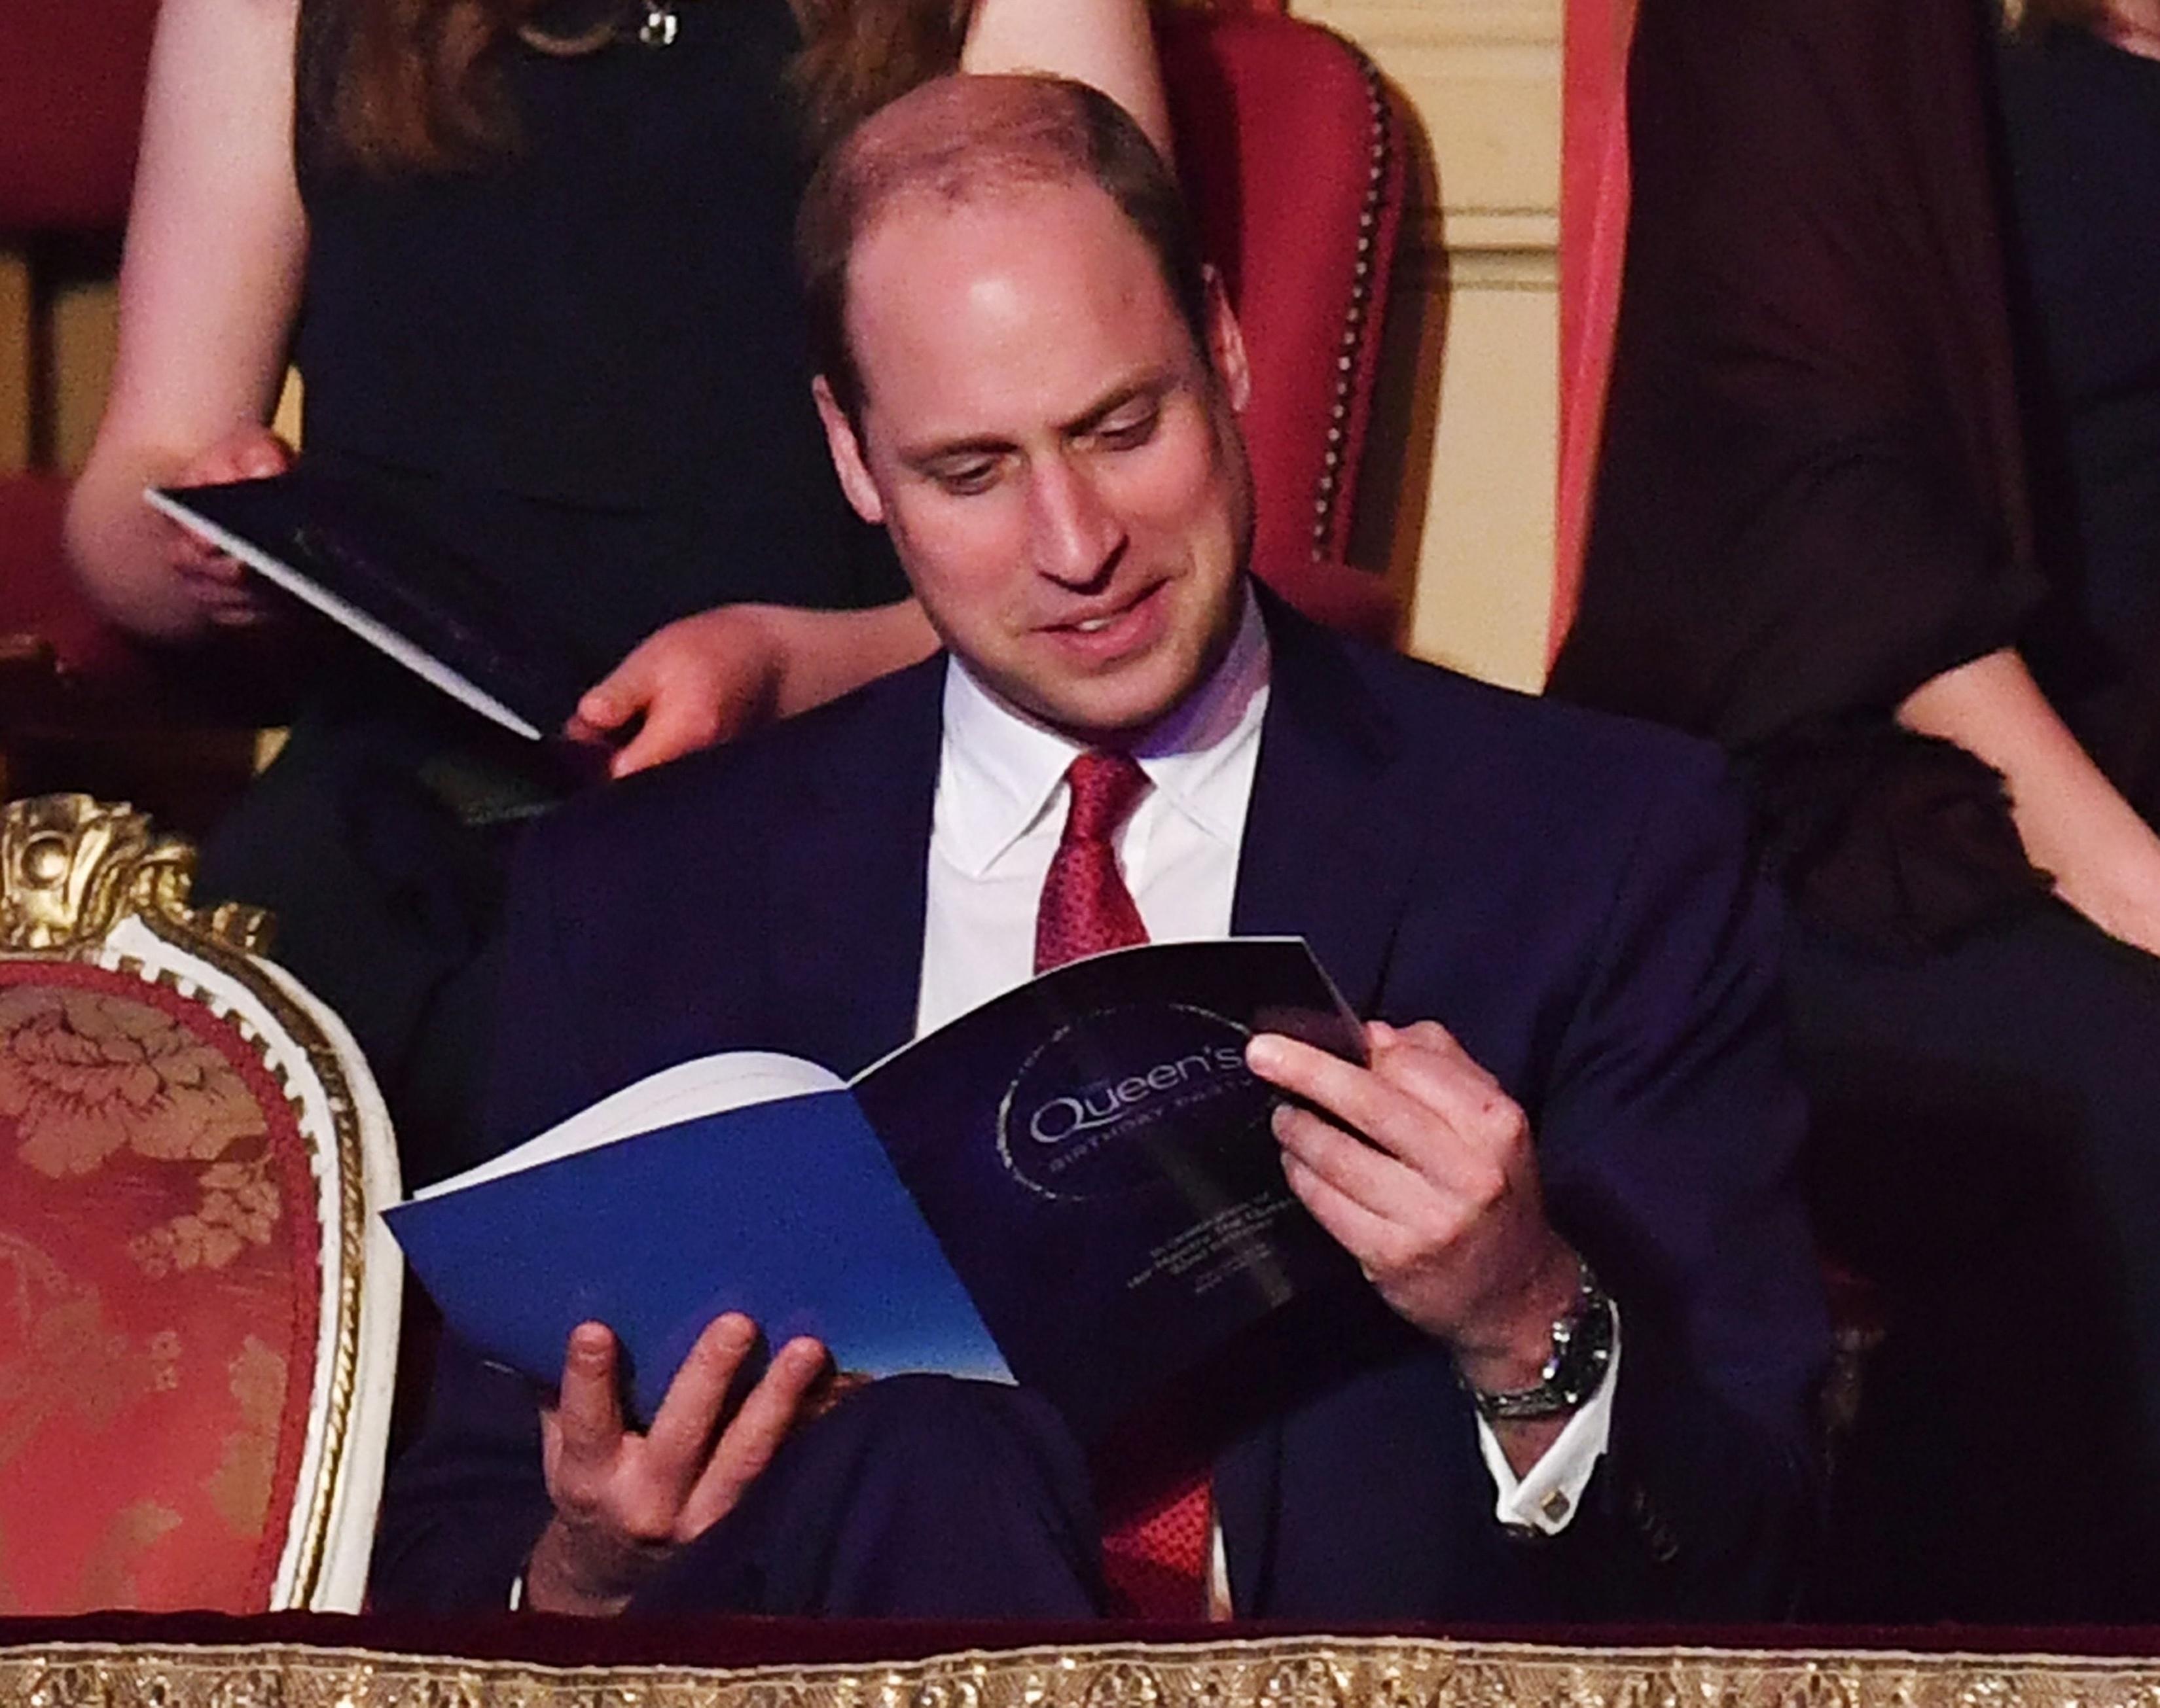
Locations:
(353, 553)
(1075, 1185)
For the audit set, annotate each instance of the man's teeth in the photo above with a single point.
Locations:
(1089, 625)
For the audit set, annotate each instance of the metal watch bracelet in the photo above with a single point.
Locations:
(1574, 1369)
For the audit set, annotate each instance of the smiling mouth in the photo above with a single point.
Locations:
(1104, 620)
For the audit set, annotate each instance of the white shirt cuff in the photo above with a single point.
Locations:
(1546, 1499)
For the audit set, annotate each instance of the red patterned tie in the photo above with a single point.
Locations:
(1085, 907)
(1154, 1546)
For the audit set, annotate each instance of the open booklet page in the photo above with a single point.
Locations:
(1075, 1184)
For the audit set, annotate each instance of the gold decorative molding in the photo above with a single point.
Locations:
(339, 1151)
(72, 868)
(1275, 1673)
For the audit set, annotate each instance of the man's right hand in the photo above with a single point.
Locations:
(625, 1502)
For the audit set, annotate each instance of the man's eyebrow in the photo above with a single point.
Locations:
(945, 450)
(1155, 382)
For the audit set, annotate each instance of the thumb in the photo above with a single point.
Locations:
(263, 456)
(619, 695)
(671, 729)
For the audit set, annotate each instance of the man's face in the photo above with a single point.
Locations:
(1058, 466)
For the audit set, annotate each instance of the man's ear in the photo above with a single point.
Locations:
(1226, 345)
(848, 460)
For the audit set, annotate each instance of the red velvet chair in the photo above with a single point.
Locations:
(1291, 154)
(70, 104)
(198, 1306)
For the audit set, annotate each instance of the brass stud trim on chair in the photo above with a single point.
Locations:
(1383, 145)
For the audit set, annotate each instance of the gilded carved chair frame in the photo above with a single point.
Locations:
(89, 883)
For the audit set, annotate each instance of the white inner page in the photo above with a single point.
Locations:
(708, 1086)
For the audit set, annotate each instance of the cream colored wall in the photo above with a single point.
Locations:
(14, 362)
(78, 321)
(1474, 523)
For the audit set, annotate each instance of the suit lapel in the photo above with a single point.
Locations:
(1329, 850)
(848, 875)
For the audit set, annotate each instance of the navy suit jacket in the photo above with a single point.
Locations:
(1569, 893)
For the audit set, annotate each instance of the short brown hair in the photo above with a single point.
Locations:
(964, 136)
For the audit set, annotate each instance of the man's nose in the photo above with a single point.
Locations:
(1075, 534)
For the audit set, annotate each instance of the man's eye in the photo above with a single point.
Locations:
(1127, 432)
(964, 479)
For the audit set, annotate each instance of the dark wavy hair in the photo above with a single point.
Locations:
(416, 86)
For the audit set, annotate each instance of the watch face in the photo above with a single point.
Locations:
(1581, 1352)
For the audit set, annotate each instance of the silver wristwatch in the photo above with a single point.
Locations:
(1575, 1370)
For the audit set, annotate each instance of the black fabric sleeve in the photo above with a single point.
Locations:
(1669, 1148)
(1809, 502)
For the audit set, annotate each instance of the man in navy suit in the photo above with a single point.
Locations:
(1579, 1385)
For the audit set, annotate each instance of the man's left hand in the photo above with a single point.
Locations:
(1425, 1176)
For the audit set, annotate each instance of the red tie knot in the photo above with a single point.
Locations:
(1105, 787)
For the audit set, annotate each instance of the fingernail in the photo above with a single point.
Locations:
(591, 1339)
(1263, 1052)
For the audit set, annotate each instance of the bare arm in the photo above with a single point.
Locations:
(713, 676)
(2106, 859)
(209, 286)
(1106, 43)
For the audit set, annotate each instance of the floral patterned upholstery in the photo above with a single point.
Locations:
(197, 1319)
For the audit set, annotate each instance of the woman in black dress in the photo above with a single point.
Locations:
(1815, 538)
(532, 259)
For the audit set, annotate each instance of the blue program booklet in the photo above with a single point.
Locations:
(1074, 1186)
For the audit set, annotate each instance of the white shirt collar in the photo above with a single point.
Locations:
(1005, 768)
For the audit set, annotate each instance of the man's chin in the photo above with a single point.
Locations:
(1104, 709)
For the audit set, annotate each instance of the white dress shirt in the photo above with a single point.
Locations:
(1001, 808)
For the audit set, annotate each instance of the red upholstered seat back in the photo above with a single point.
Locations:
(1290, 150)
(71, 78)
(159, 1299)
(70, 105)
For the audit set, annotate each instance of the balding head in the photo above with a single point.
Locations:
(965, 138)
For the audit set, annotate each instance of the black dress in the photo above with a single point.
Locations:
(585, 367)
(1813, 498)
(2081, 123)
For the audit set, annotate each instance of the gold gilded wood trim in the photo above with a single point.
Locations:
(71, 869)
(1276, 1673)
(319, 1497)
